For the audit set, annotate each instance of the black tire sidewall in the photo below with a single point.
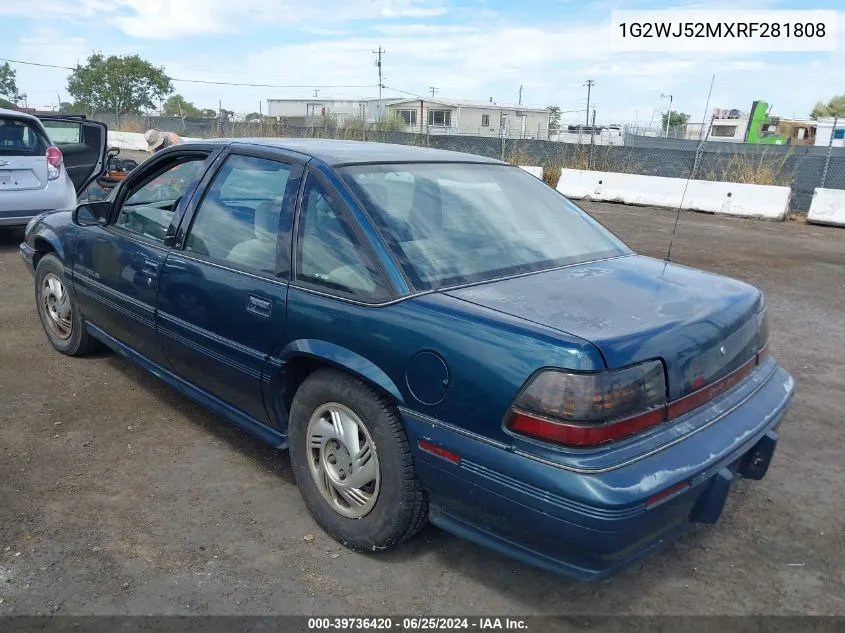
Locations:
(385, 524)
(50, 264)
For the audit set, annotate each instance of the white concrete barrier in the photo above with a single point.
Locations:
(534, 171)
(734, 198)
(728, 198)
(133, 140)
(127, 140)
(827, 207)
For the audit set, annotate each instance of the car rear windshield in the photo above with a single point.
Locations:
(19, 137)
(455, 223)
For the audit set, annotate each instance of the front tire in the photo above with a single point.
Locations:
(352, 462)
(58, 311)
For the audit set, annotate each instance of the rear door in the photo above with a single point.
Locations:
(223, 291)
(83, 145)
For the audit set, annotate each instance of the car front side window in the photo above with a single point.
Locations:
(246, 210)
(331, 256)
(148, 209)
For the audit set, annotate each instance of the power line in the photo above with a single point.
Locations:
(199, 81)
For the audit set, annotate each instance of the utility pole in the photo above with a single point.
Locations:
(315, 93)
(433, 90)
(590, 83)
(520, 95)
(668, 112)
(379, 52)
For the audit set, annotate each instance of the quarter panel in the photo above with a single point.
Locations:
(489, 356)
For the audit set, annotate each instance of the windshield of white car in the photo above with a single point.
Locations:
(453, 223)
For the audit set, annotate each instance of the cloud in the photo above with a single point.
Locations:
(466, 49)
(47, 45)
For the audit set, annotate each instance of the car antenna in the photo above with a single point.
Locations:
(702, 139)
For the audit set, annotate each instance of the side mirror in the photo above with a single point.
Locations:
(92, 213)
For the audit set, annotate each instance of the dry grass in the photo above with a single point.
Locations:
(519, 157)
(131, 125)
(766, 169)
(551, 175)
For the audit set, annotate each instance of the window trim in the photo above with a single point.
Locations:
(485, 120)
(378, 264)
(412, 119)
(297, 172)
(430, 117)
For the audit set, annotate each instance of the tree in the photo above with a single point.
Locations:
(253, 116)
(676, 119)
(122, 85)
(208, 113)
(834, 107)
(8, 86)
(176, 105)
(554, 119)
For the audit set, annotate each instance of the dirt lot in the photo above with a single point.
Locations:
(117, 495)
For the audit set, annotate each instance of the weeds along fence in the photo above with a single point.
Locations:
(802, 168)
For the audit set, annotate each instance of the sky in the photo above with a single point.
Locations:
(467, 49)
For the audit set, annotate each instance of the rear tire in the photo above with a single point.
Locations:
(352, 462)
(58, 311)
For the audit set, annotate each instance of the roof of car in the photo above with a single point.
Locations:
(336, 152)
(18, 114)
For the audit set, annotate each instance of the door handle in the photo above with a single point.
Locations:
(259, 306)
(150, 267)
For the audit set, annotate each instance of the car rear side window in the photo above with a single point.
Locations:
(245, 212)
(20, 138)
(331, 256)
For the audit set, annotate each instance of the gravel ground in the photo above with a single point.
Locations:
(117, 495)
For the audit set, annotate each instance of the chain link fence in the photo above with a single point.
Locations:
(802, 168)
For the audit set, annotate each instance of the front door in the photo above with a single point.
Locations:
(117, 266)
(223, 290)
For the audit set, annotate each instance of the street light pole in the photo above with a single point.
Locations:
(668, 113)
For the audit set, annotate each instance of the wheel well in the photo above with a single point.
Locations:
(42, 247)
(299, 368)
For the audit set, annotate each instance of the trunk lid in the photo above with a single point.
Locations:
(23, 161)
(634, 309)
(18, 173)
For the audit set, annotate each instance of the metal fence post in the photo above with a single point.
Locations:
(829, 151)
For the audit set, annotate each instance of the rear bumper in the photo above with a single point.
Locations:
(589, 524)
(18, 218)
(19, 207)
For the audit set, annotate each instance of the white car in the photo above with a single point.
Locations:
(45, 162)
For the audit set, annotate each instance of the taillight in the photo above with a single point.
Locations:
(590, 409)
(54, 162)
